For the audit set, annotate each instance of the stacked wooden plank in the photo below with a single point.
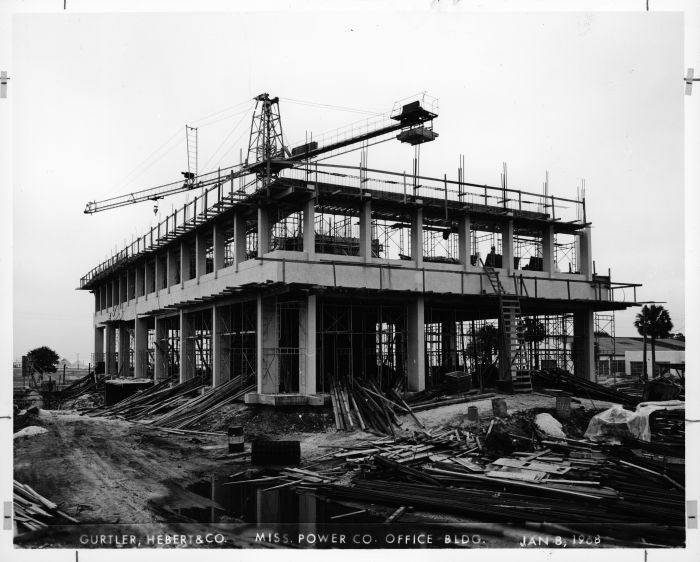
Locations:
(558, 378)
(146, 403)
(365, 406)
(197, 408)
(33, 512)
(89, 383)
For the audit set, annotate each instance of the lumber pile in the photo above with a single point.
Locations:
(560, 379)
(195, 409)
(366, 407)
(33, 512)
(89, 383)
(628, 496)
(146, 403)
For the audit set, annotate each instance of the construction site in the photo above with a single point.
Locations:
(309, 349)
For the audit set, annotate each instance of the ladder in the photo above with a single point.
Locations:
(514, 345)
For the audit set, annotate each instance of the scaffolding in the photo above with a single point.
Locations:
(604, 328)
(237, 339)
(362, 341)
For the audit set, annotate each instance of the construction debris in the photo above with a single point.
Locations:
(33, 512)
(578, 386)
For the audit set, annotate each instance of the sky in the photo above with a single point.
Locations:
(592, 96)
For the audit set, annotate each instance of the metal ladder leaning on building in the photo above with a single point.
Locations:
(511, 320)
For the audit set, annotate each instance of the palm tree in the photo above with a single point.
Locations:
(652, 322)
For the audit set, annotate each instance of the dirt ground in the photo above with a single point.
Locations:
(123, 476)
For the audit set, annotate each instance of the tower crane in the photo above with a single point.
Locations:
(268, 156)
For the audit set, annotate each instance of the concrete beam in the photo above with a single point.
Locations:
(415, 348)
(417, 236)
(141, 348)
(219, 246)
(366, 229)
(584, 357)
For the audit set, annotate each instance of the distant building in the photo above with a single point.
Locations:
(625, 356)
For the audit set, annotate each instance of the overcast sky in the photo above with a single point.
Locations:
(583, 96)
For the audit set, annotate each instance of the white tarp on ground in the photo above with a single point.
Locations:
(550, 426)
(616, 422)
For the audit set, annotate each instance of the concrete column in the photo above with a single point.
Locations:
(307, 346)
(115, 292)
(585, 255)
(121, 289)
(309, 228)
(219, 246)
(267, 346)
(415, 347)
(147, 277)
(464, 231)
(160, 274)
(548, 249)
(263, 231)
(238, 239)
(160, 354)
(200, 251)
(366, 230)
(220, 348)
(449, 343)
(171, 267)
(185, 257)
(507, 244)
(584, 358)
(186, 347)
(124, 351)
(417, 235)
(111, 349)
(99, 345)
(141, 348)
(140, 282)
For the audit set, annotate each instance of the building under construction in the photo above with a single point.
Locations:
(295, 272)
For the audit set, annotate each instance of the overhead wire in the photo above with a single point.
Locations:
(230, 134)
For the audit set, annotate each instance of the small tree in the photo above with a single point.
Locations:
(43, 359)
